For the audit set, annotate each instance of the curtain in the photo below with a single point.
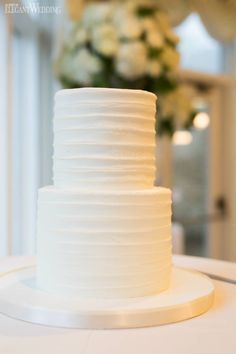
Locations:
(218, 16)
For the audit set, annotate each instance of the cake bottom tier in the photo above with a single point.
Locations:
(104, 244)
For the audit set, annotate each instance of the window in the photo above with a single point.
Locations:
(199, 51)
(26, 125)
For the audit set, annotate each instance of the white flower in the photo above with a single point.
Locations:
(63, 66)
(80, 36)
(172, 37)
(104, 39)
(84, 66)
(170, 57)
(131, 60)
(167, 105)
(127, 6)
(155, 39)
(178, 105)
(149, 24)
(97, 13)
(163, 21)
(184, 104)
(128, 26)
(154, 68)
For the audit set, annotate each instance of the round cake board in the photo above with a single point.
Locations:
(190, 294)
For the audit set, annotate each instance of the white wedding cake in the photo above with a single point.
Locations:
(104, 230)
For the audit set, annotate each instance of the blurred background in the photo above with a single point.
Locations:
(184, 51)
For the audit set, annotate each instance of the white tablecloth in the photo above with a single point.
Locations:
(211, 333)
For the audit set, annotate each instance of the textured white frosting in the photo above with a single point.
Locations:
(104, 138)
(104, 244)
(104, 231)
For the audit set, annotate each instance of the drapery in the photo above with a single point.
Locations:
(218, 16)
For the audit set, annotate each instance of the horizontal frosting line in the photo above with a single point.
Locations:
(95, 283)
(109, 230)
(152, 192)
(138, 274)
(116, 232)
(101, 140)
(68, 184)
(124, 244)
(99, 240)
(102, 225)
(121, 256)
(93, 104)
(105, 210)
(110, 204)
(94, 218)
(141, 204)
(125, 111)
(108, 106)
(107, 145)
(113, 289)
(101, 181)
(135, 172)
(86, 276)
(104, 130)
(110, 159)
(96, 254)
(103, 161)
(106, 244)
(134, 270)
(117, 263)
(104, 170)
(97, 103)
(104, 150)
(105, 120)
(160, 238)
(97, 164)
(104, 93)
(114, 260)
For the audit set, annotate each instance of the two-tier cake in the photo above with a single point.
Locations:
(104, 230)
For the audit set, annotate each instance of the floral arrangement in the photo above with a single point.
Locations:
(127, 44)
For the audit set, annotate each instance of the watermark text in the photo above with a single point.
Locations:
(33, 8)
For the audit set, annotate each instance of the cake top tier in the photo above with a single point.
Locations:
(104, 138)
(94, 94)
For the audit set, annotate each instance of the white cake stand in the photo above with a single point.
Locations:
(189, 295)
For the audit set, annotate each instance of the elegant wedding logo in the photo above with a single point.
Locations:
(32, 8)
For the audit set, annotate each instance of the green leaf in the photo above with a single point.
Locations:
(69, 84)
(189, 123)
(164, 85)
(154, 53)
(165, 126)
(145, 11)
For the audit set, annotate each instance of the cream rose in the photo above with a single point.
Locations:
(131, 61)
(97, 13)
(170, 57)
(154, 68)
(104, 39)
(84, 66)
(128, 26)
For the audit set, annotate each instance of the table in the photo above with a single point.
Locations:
(212, 333)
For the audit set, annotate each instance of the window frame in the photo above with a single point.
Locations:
(35, 139)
